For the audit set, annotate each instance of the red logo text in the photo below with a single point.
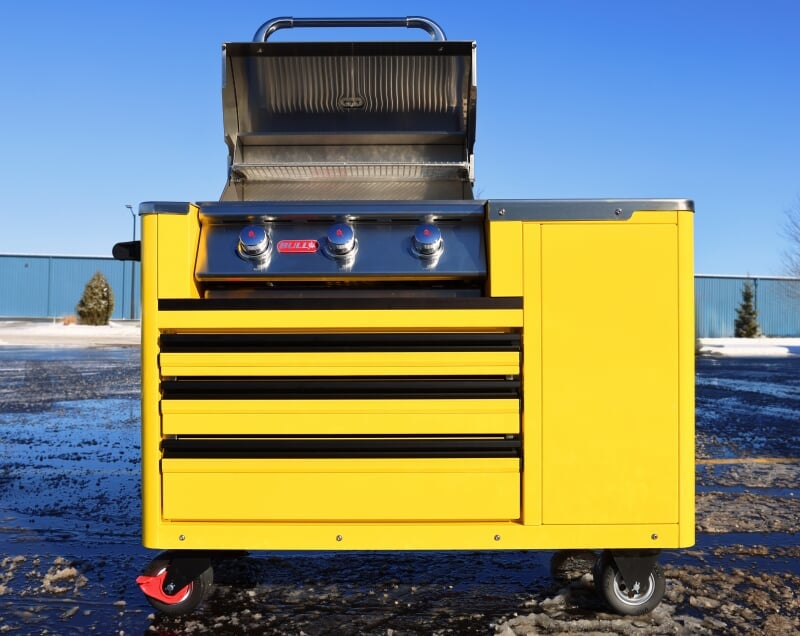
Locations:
(289, 246)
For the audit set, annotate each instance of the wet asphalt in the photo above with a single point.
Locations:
(70, 510)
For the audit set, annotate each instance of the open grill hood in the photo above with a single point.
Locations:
(356, 120)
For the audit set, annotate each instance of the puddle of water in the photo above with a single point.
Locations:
(736, 490)
(66, 354)
(771, 539)
(769, 389)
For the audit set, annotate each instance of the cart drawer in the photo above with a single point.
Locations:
(341, 489)
(327, 417)
(392, 363)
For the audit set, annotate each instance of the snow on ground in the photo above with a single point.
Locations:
(750, 347)
(19, 333)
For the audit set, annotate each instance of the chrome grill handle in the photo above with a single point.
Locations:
(411, 22)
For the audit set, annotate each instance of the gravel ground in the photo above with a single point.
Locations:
(69, 529)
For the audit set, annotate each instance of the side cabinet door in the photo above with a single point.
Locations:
(610, 373)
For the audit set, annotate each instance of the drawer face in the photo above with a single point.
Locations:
(397, 363)
(329, 417)
(309, 490)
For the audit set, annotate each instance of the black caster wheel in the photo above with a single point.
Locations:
(642, 599)
(169, 601)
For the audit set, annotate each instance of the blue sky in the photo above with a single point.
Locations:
(107, 104)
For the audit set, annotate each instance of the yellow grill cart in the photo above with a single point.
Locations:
(350, 352)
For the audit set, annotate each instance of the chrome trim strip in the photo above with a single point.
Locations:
(580, 209)
(163, 207)
(344, 209)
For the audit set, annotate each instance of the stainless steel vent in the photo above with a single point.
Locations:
(365, 84)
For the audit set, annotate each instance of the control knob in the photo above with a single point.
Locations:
(253, 242)
(428, 240)
(341, 239)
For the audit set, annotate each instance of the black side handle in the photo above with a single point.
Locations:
(127, 251)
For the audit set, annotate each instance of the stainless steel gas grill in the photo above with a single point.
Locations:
(349, 352)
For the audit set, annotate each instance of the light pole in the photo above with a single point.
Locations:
(133, 264)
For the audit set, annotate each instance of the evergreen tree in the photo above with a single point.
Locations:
(97, 303)
(746, 323)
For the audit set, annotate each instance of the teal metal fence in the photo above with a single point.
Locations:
(777, 300)
(33, 286)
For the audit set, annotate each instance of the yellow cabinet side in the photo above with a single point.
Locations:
(532, 376)
(505, 258)
(687, 377)
(151, 418)
(177, 251)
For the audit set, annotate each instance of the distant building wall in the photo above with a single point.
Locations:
(777, 301)
(34, 286)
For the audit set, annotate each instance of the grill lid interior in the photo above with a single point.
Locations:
(387, 117)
